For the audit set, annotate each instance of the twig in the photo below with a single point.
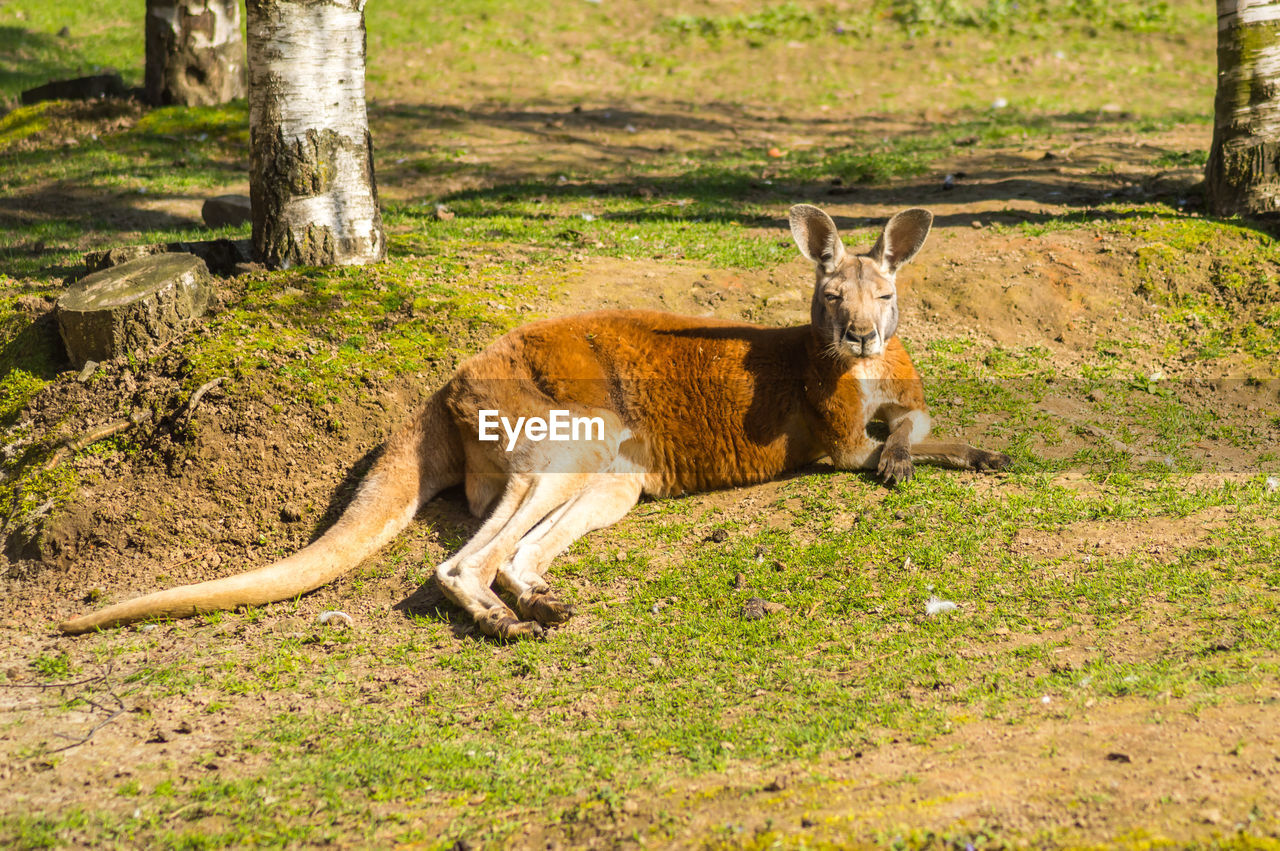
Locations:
(89, 735)
(207, 552)
(190, 408)
(182, 809)
(47, 686)
(114, 714)
(92, 436)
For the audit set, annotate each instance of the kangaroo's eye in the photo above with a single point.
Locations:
(887, 296)
(832, 297)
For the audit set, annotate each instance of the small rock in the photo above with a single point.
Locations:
(1097, 395)
(89, 368)
(1116, 756)
(975, 224)
(776, 785)
(158, 737)
(999, 103)
(290, 513)
(756, 609)
(99, 260)
(1211, 816)
(621, 555)
(740, 581)
(719, 536)
(185, 728)
(1049, 155)
(93, 595)
(227, 211)
(443, 213)
(65, 32)
(807, 822)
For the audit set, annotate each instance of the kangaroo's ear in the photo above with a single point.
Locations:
(816, 235)
(902, 238)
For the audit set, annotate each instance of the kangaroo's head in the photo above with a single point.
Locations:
(855, 302)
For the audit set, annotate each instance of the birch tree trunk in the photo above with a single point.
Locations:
(310, 153)
(195, 55)
(1243, 172)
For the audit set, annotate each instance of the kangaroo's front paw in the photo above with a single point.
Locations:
(545, 607)
(895, 465)
(500, 624)
(985, 461)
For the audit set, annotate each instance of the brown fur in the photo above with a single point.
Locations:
(689, 404)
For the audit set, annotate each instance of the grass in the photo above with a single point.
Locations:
(670, 681)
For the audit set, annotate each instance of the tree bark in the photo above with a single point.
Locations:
(1243, 172)
(311, 156)
(195, 55)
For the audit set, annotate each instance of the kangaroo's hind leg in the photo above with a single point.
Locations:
(543, 479)
(606, 500)
(466, 578)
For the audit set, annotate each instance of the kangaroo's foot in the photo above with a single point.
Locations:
(544, 606)
(500, 624)
(986, 461)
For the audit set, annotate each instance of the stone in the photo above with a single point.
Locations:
(222, 256)
(81, 88)
(755, 609)
(98, 260)
(227, 211)
(133, 306)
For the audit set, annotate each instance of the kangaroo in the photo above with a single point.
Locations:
(670, 404)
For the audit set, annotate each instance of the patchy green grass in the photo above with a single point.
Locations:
(1217, 281)
(669, 680)
(99, 36)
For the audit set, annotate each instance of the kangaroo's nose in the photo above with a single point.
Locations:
(852, 336)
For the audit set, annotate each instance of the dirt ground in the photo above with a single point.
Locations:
(1103, 774)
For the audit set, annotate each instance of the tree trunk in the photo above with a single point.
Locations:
(1243, 173)
(195, 55)
(311, 156)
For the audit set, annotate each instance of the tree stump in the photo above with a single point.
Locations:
(136, 305)
(195, 55)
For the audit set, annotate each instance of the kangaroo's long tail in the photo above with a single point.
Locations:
(418, 462)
